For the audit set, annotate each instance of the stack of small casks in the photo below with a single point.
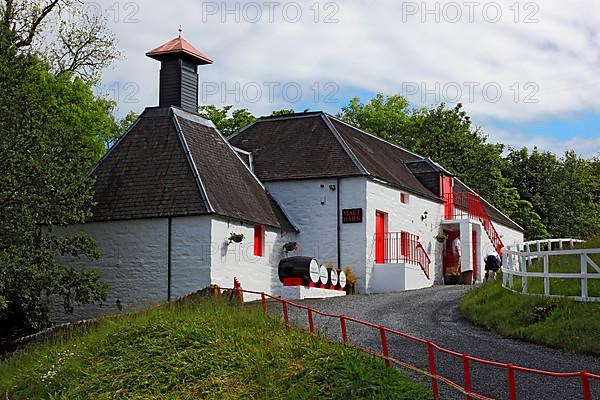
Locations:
(306, 271)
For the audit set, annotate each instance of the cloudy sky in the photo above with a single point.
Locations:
(528, 72)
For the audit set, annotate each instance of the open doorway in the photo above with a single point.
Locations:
(451, 260)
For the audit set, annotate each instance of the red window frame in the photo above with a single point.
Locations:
(259, 240)
(403, 198)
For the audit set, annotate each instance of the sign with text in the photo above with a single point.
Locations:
(352, 215)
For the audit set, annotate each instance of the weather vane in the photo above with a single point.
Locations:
(180, 30)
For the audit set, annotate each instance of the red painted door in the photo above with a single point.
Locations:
(474, 247)
(447, 196)
(379, 237)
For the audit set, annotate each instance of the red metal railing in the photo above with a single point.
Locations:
(431, 349)
(470, 205)
(404, 247)
(414, 253)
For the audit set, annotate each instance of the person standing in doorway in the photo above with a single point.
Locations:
(457, 252)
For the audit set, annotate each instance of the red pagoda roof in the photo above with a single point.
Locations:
(182, 46)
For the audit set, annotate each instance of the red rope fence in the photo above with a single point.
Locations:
(432, 348)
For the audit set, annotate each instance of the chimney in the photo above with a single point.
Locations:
(179, 62)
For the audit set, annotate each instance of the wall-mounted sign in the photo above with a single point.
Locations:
(352, 215)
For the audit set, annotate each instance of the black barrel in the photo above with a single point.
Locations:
(299, 267)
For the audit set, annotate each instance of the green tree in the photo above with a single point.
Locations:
(534, 176)
(388, 117)
(227, 121)
(285, 111)
(577, 213)
(121, 126)
(564, 191)
(595, 163)
(53, 130)
(447, 136)
(71, 36)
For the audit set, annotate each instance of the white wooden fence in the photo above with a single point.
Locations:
(517, 259)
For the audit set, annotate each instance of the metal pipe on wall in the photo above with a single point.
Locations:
(339, 228)
(169, 247)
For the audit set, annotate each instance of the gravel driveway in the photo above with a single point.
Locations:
(433, 314)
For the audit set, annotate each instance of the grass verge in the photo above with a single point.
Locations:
(203, 350)
(561, 323)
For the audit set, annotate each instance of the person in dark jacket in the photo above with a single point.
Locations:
(492, 265)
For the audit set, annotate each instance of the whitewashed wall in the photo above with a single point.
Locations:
(134, 262)
(402, 217)
(190, 254)
(509, 236)
(393, 278)
(353, 240)
(312, 206)
(238, 259)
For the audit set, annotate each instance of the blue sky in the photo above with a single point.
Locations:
(528, 73)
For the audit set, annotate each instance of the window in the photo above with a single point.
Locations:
(403, 198)
(259, 240)
(405, 244)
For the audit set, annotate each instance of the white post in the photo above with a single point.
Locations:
(518, 254)
(584, 279)
(511, 267)
(560, 244)
(523, 268)
(546, 277)
(571, 241)
(539, 246)
(505, 267)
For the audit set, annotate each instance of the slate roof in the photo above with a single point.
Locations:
(317, 145)
(175, 163)
(382, 159)
(285, 148)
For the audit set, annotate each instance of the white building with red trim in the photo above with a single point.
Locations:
(172, 191)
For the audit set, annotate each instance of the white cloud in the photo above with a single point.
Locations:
(372, 49)
(587, 147)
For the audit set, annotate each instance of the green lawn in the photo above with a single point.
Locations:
(565, 324)
(565, 264)
(199, 350)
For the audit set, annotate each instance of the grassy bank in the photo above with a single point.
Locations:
(206, 350)
(560, 323)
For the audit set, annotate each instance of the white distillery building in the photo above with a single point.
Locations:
(172, 190)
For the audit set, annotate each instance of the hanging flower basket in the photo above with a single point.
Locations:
(441, 238)
(235, 237)
(290, 247)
